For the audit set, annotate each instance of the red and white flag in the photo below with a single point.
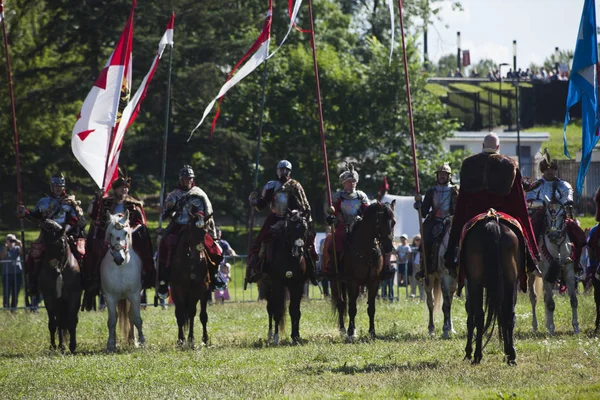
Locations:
(101, 111)
(131, 111)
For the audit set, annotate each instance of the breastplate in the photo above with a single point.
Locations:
(279, 205)
(350, 208)
(441, 201)
(52, 208)
(119, 208)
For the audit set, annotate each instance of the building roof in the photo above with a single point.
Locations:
(504, 136)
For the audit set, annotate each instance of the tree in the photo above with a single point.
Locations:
(446, 66)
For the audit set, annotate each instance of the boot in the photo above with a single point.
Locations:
(253, 271)
(215, 278)
(32, 279)
(163, 283)
(310, 272)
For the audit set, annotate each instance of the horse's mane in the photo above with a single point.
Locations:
(375, 207)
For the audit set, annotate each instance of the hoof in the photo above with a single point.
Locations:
(512, 362)
(446, 335)
(296, 341)
(343, 331)
(475, 361)
(111, 349)
(270, 335)
(576, 329)
(431, 331)
(467, 358)
(372, 335)
(180, 343)
(276, 339)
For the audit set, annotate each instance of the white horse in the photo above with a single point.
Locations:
(555, 249)
(121, 280)
(441, 285)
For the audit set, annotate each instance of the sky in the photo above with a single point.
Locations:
(488, 28)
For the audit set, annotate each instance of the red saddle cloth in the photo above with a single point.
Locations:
(215, 253)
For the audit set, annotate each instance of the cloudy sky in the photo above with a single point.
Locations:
(488, 28)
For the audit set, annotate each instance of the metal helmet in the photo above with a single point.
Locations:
(445, 167)
(58, 179)
(121, 181)
(186, 172)
(547, 162)
(284, 164)
(349, 174)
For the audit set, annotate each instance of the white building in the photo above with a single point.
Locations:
(531, 146)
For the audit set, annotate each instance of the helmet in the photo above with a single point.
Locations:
(58, 179)
(284, 164)
(350, 173)
(445, 167)
(186, 172)
(120, 181)
(547, 162)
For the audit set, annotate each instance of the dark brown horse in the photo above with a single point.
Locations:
(190, 281)
(59, 281)
(361, 264)
(492, 254)
(594, 271)
(286, 272)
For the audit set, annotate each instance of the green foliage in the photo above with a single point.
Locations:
(446, 65)
(59, 46)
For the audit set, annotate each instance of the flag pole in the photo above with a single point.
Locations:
(15, 137)
(418, 197)
(330, 209)
(163, 176)
(255, 187)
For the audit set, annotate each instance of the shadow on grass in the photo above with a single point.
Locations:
(374, 368)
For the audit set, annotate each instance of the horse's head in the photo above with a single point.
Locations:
(296, 227)
(381, 217)
(555, 219)
(118, 235)
(55, 242)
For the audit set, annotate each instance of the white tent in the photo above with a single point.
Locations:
(406, 216)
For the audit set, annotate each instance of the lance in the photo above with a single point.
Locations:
(418, 197)
(258, 140)
(162, 179)
(330, 209)
(15, 136)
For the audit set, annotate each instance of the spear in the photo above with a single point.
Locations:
(258, 140)
(15, 134)
(418, 197)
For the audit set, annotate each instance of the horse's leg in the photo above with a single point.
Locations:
(431, 281)
(204, 316)
(508, 324)
(549, 301)
(73, 320)
(572, 288)
(448, 289)
(294, 308)
(52, 321)
(278, 300)
(476, 308)
(111, 306)
(338, 294)
(193, 303)
(596, 284)
(353, 292)
(372, 287)
(470, 329)
(181, 316)
(135, 317)
(533, 299)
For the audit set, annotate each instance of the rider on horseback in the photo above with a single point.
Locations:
(116, 203)
(185, 202)
(282, 195)
(63, 209)
(551, 187)
(490, 180)
(439, 203)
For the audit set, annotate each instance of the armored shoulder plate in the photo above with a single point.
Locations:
(493, 172)
(197, 192)
(363, 197)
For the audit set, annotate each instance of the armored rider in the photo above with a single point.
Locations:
(554, 189)
(65, 210)
(439, 203)
(181, 204)
(280, 195)
(116, 203)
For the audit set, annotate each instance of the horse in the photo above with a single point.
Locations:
(121, 281)
(555, 249)
(59, 281)
(285, 272)
(439, 284)
(362, 263)
(189, 275)
(492, 253)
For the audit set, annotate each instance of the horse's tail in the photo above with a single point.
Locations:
(123, 317)
(493, 272)
(338, 298)
(438, 299)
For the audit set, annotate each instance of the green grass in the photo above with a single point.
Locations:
(555, 143)
(437, 89)
(403, 362)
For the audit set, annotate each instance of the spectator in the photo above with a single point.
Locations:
(403, 255)
(225, 275)
(320, 263)
(458, 74)
(387, 285)
(12, 271)
(474, 73)
(491, 76)
(510, 74)
(416, 266)
(225, 246)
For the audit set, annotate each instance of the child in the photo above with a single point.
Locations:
(403, 254)
(224, 272)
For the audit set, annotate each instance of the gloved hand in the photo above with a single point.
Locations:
(331, 219)
(253, 198)
(358, 218)
(417, 205)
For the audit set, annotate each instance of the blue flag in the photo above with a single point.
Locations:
(583, 85)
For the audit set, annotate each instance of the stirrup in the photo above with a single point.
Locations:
(162, 291)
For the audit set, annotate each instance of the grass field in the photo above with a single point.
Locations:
(403, 362)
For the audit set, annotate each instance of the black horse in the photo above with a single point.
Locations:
(286, 272)
(492, 252)
(362, 263)
(59, 281)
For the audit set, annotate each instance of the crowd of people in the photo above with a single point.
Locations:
(535, 75)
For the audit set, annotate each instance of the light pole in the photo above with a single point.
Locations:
(556, 59)
(500, 72)
(517, 110)
(458, 51)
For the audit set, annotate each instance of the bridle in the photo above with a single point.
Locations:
(555, 226)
